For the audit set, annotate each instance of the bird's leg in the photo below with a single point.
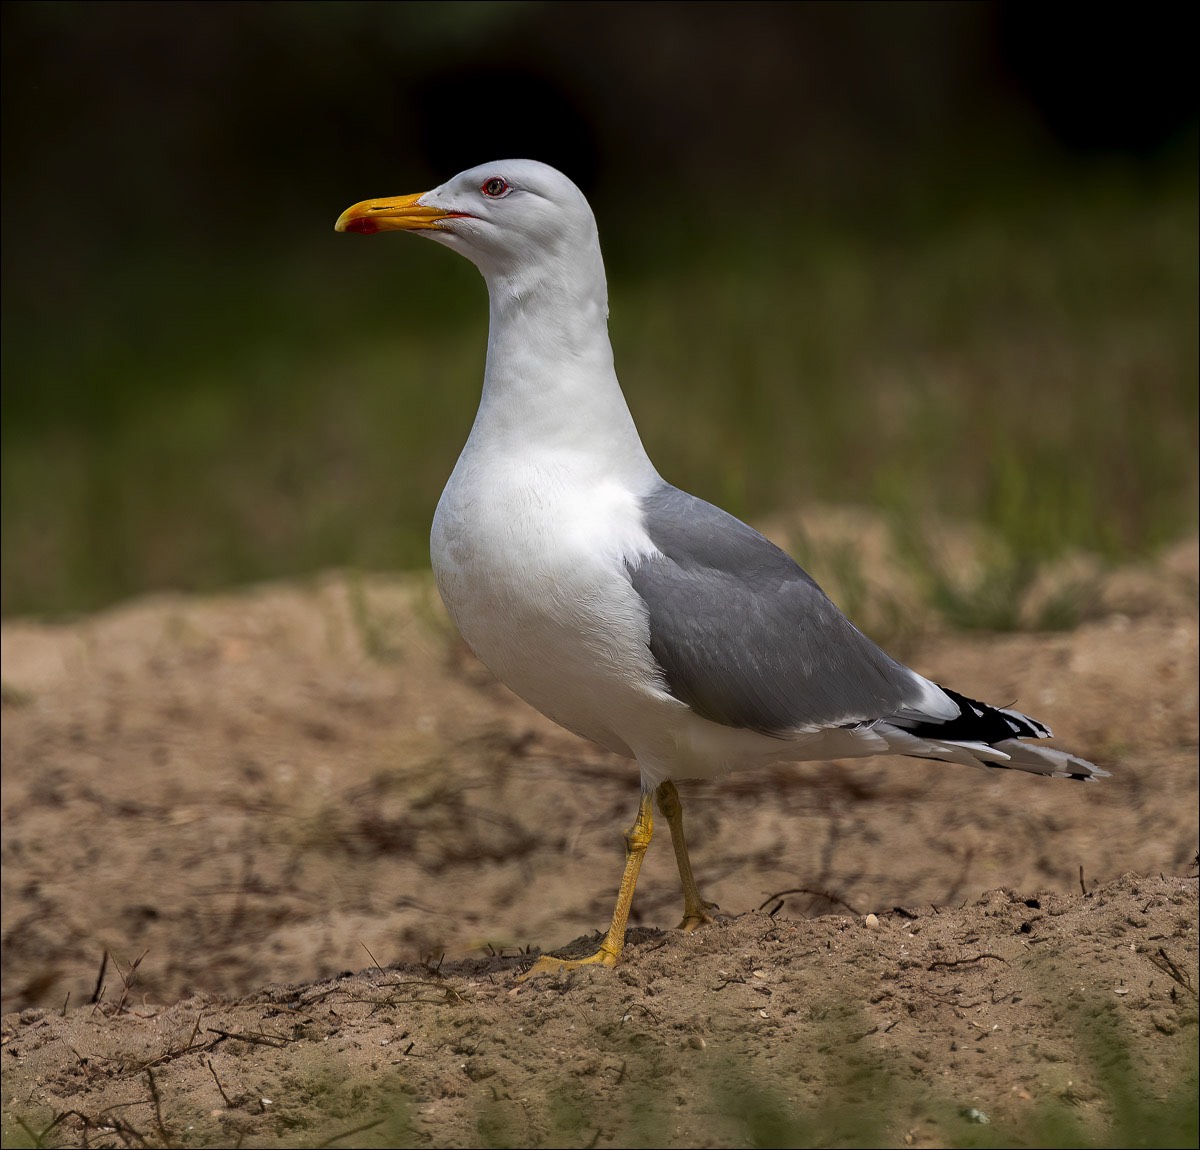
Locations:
(695, 909)
(637, 839)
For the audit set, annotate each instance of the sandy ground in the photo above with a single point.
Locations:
(215, 808)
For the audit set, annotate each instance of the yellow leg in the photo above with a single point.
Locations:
(695, 909)
(637, 839)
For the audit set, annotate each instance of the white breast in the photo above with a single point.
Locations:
(529, 557)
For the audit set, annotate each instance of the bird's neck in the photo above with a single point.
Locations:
(549, 381)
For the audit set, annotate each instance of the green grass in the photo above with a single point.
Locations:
(1026, 360)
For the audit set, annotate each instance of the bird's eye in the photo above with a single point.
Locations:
(495, 187)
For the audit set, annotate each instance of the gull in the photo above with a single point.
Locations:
(625, 609)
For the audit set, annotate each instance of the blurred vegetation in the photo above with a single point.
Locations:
(835, 1091)
(906, 305)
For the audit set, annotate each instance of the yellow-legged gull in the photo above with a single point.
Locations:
(626, 610)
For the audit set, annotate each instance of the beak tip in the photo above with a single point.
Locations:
(361, 224)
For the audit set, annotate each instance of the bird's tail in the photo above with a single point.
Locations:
(984, 736)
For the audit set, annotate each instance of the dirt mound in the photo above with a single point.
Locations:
(909, 1028)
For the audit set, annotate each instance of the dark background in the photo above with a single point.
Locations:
(125, 120)
(172, 171)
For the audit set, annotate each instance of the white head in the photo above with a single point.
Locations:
(549, 376)
(509, 218)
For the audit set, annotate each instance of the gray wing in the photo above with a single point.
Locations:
(745, 636)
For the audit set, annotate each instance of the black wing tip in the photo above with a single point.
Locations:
(979, 722)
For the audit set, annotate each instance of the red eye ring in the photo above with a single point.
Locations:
(494, 187)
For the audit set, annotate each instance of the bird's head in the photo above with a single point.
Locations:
(502, 216)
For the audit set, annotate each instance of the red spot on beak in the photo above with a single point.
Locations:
(364, 225)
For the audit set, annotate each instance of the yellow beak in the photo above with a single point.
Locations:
(401, 214)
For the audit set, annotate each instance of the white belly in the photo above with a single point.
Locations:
(529, 560)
